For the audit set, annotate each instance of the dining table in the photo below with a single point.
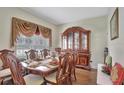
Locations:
(42, 67)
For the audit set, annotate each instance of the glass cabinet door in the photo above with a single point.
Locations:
(76, 40)
(70, 40)
(64, 41)
(84, 41)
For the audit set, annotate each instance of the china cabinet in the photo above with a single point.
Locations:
(77, 39)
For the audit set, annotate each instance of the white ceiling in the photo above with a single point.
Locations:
(62, 15)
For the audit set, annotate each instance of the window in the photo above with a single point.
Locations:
(27, 35)
(26, 43)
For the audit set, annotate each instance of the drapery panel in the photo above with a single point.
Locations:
(28, 29)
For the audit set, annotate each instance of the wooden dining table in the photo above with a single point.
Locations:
(40, 67)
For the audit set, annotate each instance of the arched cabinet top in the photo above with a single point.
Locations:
(74, 29)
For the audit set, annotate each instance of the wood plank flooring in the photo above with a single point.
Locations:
(85, 77)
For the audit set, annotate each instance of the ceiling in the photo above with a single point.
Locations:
(62, 15)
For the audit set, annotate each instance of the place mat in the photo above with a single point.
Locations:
(53, 63)
(42, 68)
(38, 59)
(51, 66)
(33, 64)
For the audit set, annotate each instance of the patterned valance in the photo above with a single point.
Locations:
(28, 29)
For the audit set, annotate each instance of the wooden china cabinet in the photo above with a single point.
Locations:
(77, 39)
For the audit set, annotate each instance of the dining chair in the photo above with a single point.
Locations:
(5, 72)
(75, 58)
(3, 57)
(32, 54)
(58, 50)
(18, 78)
(1, 80)
(63, 74)
(45, 53)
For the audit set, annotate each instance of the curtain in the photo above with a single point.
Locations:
(46, 33)
(28, 29)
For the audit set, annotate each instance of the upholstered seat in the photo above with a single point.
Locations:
(32, 79)
(1, 64)
(5, 72)
(52, 77)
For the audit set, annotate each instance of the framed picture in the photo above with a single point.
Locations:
(114, 25)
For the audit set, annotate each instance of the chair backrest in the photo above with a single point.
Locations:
(64, 70)
(58, 50)
(32, 54)
(3, 54)
(1, 80)
(45, 52)
(75, 58)
(16, 69)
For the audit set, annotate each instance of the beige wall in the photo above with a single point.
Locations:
(98, 27)
(6, 15)
(116, 46)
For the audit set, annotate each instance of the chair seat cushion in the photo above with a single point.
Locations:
(51, 77)
(34, 64)
(32, 79)
(1, 63)
(5, 72)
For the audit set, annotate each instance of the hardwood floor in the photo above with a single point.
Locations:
(85, 77)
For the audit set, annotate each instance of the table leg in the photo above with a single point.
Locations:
(44, 83)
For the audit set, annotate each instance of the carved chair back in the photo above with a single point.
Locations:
(75, 58)
(1, 81)
(45, 52)
(64, 70)
(3, 54)
(16, 69)
(32, 54)
(58, 50)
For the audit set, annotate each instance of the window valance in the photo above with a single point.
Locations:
(28, 29)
